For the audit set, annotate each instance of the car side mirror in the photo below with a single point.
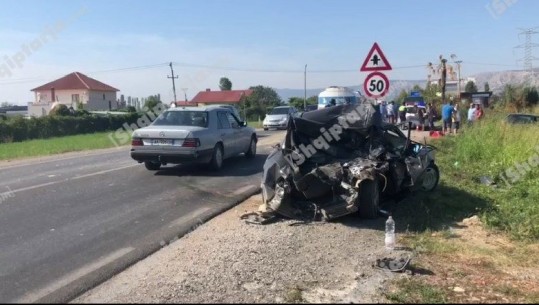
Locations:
(243, 124)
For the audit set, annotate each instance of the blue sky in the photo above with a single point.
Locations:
(255, 42)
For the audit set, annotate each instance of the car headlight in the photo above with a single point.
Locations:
(283, 120)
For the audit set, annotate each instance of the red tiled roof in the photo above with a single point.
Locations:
(185, 103)
(76, 80)
(218, 97)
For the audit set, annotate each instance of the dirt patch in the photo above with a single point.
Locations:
(468, 263)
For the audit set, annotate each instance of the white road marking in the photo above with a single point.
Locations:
(243, 189)
(181, 221)
(33, 296)
(104, 172)
(73, 178)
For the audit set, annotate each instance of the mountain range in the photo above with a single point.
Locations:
(496, 80)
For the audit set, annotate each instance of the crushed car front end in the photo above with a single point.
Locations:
(342, 160)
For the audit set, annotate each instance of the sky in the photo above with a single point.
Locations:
(129, 44)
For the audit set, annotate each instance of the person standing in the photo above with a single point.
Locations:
(447, 114)
(456, 118)
(431, 115)
(478, 112)
(471, 114)
(402, 113)
(421, 117)
(391, 112)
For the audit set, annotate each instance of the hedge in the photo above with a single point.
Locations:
(20, 129)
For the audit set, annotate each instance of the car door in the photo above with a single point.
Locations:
(226, 133)
(239, 134)
(243, 135)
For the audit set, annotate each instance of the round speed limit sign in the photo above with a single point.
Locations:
(376, 85)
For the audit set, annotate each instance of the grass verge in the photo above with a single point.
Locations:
(492, 260)
(51, 146)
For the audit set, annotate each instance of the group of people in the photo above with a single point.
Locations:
(451, 116)
(389, 112)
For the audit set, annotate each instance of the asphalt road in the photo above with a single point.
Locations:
(69, 223)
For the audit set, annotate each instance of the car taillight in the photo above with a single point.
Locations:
(191, 142)
(137, 142)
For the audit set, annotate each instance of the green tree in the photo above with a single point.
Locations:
(401, 97)
(257, 104)
(470, 87)
(225, 84)
(431, 92)
(131, 109)
(487, 87)
(60, 110)
(6, 104)
(531, 96)
(152, 101)
(298, 102)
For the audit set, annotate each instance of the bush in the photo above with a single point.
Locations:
(20, 129)
(60, 110)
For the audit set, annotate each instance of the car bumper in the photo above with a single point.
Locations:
(195, 156)
(275, 125)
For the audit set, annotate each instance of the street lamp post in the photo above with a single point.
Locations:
(305, 89)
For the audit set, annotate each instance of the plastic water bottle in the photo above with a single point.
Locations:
(390, 233)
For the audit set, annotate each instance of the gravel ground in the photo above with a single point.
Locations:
(227, 260)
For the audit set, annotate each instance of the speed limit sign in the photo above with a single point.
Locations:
(376, 85)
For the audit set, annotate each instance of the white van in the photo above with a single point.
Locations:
(340, 95)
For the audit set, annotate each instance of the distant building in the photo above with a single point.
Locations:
(183, 104)
(228, 97)
(73, 90)
(14, 110)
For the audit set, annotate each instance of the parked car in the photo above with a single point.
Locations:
(520, 118)
(413, 116)
(357, 166)
(278, 117)
(205, 135)
(311, 108)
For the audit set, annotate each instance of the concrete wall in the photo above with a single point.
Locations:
(99, 100)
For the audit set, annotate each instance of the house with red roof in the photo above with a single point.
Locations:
(73, 90)
(225, 97)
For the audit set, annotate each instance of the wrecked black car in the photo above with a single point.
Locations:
(342, 160)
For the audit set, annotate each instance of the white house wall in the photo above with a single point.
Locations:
(61, 96)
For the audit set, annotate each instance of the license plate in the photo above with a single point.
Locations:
(162, 142)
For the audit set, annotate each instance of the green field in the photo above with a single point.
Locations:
(51, 146)
(505, 154)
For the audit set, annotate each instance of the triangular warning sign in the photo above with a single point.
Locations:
(376, 60)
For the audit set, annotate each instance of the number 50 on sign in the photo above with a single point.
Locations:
(376, 85)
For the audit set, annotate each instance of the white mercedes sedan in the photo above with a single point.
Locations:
(205, 135)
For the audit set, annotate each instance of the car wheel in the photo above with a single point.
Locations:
(369, 199)
(430, 178)
(251, 151)
(217, 158)
(153, 166)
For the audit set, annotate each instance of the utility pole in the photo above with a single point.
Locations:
(305, 88)
(444, 75)
(528, 48)
(185, 93)
(458, 62)
(173, 84)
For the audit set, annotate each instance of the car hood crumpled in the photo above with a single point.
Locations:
(322, 169)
